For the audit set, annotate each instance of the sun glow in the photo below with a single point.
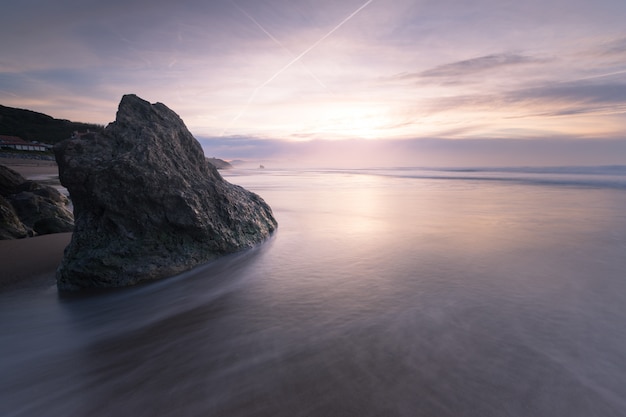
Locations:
(360, 121)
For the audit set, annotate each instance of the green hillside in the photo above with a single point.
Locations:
(33, 126)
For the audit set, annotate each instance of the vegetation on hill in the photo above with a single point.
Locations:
(219, 163)
(33, 126)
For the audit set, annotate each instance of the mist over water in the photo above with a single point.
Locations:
(395, 292)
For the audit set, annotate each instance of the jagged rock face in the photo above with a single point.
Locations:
(147, 204)
(29, 209)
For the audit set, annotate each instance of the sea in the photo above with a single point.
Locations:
(384, 292)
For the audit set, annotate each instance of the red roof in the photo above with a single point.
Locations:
(12, 140)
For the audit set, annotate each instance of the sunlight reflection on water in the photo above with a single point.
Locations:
(379, 295)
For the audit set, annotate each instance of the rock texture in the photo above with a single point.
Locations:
(29, 209)
(147, 204)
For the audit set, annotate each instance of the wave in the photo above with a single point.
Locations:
(613, 176)
(606, 176)
(619, 170)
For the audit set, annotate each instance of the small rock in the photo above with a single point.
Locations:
(25, 204)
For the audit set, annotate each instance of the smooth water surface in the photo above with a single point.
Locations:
(383, 293)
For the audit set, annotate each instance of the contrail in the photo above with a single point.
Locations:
(296, 59)
(277, 42)
(258, 25)
(603, 75)
(306, 51)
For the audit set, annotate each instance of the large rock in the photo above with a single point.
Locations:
(28, 208)
(147, 204)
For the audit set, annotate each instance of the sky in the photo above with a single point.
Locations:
(327, 82)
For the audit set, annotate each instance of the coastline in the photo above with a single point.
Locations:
(31, 262)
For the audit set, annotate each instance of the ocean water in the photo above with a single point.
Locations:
(391, 292)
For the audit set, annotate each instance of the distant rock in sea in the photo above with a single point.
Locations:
(28, 208)
(147, 203)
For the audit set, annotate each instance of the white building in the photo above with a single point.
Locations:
(17, 143)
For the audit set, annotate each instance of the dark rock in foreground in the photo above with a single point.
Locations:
(147, 204)
(28, 208)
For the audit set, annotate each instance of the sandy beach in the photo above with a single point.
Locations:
(31, 168)
(31, 262)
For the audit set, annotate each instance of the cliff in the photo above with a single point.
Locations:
(219, 163)
(30, 125)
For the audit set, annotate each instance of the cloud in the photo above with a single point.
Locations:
(205, 59)
(546, 99)
(472, 66)
(571, 98)
(580, 92)
(422, 152)
(614, 47)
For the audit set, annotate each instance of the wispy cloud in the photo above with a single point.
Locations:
(614, 47)
(572, 98)
(555, 99)
(472, 66)
(575, 92)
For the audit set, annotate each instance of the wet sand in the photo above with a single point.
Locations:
(31, 168)
(31, 262)
(380, 295)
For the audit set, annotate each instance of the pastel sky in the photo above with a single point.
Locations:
(404, 82)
